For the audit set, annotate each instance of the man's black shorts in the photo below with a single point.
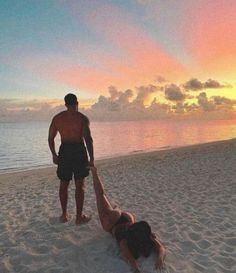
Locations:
(73, 160)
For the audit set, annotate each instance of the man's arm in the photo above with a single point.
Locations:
(51, 136)
(88, 139)
(128, 255)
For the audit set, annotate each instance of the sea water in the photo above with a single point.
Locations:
(24, 145)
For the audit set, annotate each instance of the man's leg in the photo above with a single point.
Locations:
(79, 199)
(63, 194)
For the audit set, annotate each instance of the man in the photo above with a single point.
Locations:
(72, 159)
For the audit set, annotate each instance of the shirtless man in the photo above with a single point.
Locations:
(72, 159)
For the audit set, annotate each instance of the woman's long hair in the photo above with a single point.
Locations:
(139, 239)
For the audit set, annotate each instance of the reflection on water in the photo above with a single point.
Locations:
(25, 145)
(126, 137)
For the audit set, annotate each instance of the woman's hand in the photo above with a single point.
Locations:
(93, 169)
(161, 257)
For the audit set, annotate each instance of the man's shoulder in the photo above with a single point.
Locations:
(58, 116)
(84, 118)
(61, 114)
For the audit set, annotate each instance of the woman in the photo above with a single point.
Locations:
(134, 238)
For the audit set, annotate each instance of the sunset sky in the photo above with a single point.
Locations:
(172, 56)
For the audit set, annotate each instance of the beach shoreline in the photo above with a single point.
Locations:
(108, 158)
(187, 194)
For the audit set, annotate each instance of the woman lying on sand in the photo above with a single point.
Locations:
(134, 238)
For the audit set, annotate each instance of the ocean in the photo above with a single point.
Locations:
(24, 145)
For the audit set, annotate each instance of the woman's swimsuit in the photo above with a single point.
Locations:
(120, 228)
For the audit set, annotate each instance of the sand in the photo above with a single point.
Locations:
(186, 194)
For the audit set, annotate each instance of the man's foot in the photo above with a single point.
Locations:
(83, 219)
(65, 218)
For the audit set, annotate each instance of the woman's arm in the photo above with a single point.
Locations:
(160, 250)
(128, 255)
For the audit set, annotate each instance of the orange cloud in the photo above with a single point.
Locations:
(147, 103)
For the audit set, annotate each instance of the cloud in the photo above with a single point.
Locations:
(193, 84)
(143, 93)
(179, 108)
(113, 92)
(20, 110)
(133, 107)
(145, 102)
(125, 97)
(213, 84)
(118, 104)
(160, 79)
(174, 93)
(156, 106)
(121, 97)
(215, 103)
(204, 103)
(196, 85)
(218, 100)
(185, 109)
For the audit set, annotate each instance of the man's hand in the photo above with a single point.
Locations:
(93, 169)
(55, 159)
(91, 163)
(136, 270)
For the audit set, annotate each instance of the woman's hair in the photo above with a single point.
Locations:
(139, 239)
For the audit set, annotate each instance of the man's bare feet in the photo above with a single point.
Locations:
(82, 219)
(65, 218)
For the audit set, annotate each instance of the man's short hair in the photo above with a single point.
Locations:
(70, 99)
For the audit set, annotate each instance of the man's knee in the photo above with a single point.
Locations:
(64, 185)
(79, 184)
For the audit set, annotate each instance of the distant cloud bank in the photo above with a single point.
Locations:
(195, 84)
(163, 100)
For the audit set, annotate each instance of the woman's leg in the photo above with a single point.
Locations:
(108, 216)
(129, 216)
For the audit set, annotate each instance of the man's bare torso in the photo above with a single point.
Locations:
(70, 126)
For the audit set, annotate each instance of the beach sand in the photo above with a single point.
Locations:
(188, 195)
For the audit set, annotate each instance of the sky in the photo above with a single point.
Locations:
(124, 59)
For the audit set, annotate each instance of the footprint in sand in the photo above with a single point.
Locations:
(204, 244)
(194, 236)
